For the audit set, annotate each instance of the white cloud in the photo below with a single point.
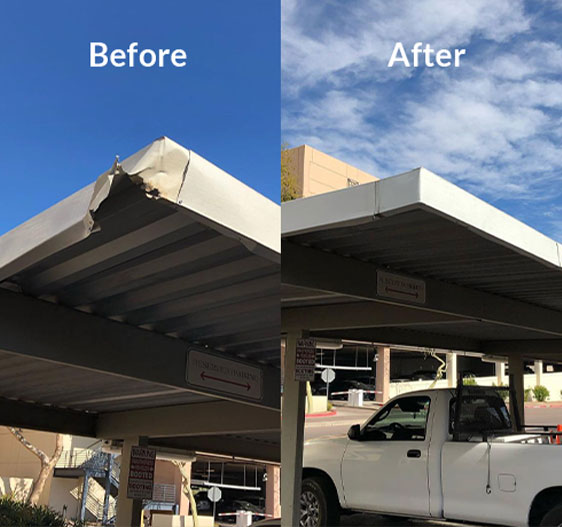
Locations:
(493, 125)
(314, 48)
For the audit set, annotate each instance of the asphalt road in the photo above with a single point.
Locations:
(345, 417)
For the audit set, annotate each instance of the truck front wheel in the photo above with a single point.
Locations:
(319, 504)
(553, 518)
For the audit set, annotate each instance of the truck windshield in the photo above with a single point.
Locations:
(481, 413)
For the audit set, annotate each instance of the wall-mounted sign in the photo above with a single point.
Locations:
(141, 473)
(400, 287)
(219, 374)
(305, 360)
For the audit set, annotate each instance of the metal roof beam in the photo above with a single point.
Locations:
(358, 315)
(320, 270)
(397, 336)
(211, 418)
(242, 447)
(21, 414)
(43, 330)
(537, 348)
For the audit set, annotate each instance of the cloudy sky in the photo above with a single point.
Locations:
(493, 125)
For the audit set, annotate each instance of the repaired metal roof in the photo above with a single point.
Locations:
(423, 226)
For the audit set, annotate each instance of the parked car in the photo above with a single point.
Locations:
(235, 505)
(414, 458)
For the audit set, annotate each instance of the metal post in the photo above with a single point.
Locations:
(292, 437)
(500, 372)
(516, 383)
(382, 377)
(451, 369)
(458, 407)
(129, 511)
(538, 372)
(107, 494)
(85, 488)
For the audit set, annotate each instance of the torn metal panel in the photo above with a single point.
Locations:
(163, 170)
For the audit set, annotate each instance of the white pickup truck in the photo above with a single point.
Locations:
(411, 458)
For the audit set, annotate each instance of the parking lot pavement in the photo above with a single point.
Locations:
(374, 520)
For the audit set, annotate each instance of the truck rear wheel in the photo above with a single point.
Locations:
(319, 504)
(553, 518)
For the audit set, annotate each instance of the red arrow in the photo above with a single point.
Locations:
(388, 289)
(206, 376)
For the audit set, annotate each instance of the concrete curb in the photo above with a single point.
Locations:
(321, 414)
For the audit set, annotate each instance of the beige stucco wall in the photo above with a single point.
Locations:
(19, 467)
(61, 489)
(317, 172)
(17, 462)
(168, 473)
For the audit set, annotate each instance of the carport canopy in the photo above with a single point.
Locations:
(147, 304)
(414, 260)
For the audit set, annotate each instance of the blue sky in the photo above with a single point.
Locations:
(62, 123)
(493, 126)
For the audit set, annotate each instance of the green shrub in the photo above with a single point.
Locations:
(541, 393)
(528, 395)
(19, 514)
(503, 392)
(469, 381)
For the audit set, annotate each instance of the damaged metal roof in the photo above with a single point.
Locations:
(166, 241)
(105, 295)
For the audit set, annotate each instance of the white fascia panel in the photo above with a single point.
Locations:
(340, 208)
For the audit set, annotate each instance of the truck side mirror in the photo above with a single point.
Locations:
(354, 432)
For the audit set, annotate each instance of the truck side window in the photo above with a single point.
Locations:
(404, 419)
(481, 414)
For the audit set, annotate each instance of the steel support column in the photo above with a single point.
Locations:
(382, 378)
(451, 371)
(84, 497)
(292, 436)
(516, 371)
(272, 491)
(107, 494)
(129, 511)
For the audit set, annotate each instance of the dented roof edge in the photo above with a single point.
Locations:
(166, 171)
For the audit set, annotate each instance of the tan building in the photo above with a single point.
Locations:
(63, 490)
(19, 467)
(317, 172)
(84, 475)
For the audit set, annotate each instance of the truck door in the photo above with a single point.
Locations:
(385, 469)
(475, 488)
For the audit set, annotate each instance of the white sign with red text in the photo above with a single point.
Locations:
(400, 287)
(141, 473)
(305, 360)
(215, 373)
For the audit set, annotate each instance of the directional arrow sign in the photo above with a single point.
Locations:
(401, 287)
(214, 373)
